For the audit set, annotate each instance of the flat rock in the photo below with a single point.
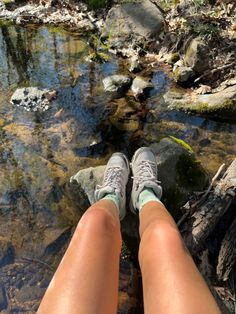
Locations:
(33, 98)
(134, 20)
(220, 104)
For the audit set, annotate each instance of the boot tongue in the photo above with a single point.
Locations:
(106, 190)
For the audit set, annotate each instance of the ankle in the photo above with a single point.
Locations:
(146, 196)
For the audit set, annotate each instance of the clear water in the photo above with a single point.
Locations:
(40, 151)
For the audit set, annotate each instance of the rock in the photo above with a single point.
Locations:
(116, 83)
(29, 293)
(140, 87)
(173, 58)
(197, 55)
(178, 170)
(88, 179)
(216, 105)
(6, 252)
(33, 98)
(3, 298)
(135, 65)
(134, 20)
(183, 74)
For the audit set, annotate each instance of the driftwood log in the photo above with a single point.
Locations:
(227, 255)
(203, 215)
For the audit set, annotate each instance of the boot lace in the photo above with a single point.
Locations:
(113, 178)
(146, 171)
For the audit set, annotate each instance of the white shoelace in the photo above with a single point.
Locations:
(113, 179)
(146, 172)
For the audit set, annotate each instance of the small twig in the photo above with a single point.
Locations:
(210, 187)
(182, 219)
(226, 66)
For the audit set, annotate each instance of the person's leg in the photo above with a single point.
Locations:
(86, 281)
(171, 281)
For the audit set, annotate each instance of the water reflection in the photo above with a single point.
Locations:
(40, 151)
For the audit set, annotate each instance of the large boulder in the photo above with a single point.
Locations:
(179, 173)
(134, 20)
(221, 104)
(197, 55)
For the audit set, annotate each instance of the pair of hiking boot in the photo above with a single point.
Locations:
(116, 176)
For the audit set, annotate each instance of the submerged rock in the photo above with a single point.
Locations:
(140, 87)
(33, 98)
(217, 105)
(134, 20)
(116, 83)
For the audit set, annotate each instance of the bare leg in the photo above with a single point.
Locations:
(171, 281)
(86, 281)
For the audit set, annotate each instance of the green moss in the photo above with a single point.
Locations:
(6, 2)
(173, 58)
(183, 143)
(96, 4)
(125, 252)
(190, 172)
(5, 23)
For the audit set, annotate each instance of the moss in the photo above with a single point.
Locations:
(98, 57)
(96, 4)
(183, 143)
(125, 252)
(174, 57)
(190, 172)
(6, 2)
(5, 23)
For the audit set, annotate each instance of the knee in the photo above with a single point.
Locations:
(157, 236)
(99, 221)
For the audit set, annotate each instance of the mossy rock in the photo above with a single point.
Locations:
(221, 105)
(179, 172)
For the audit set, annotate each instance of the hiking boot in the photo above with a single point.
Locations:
(144, 169)
(114, 181)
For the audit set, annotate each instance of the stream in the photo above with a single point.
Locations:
(39, 152)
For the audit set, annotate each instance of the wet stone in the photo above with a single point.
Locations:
(33, 98)
(29, 293)
(141, 87)
(116, 83)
